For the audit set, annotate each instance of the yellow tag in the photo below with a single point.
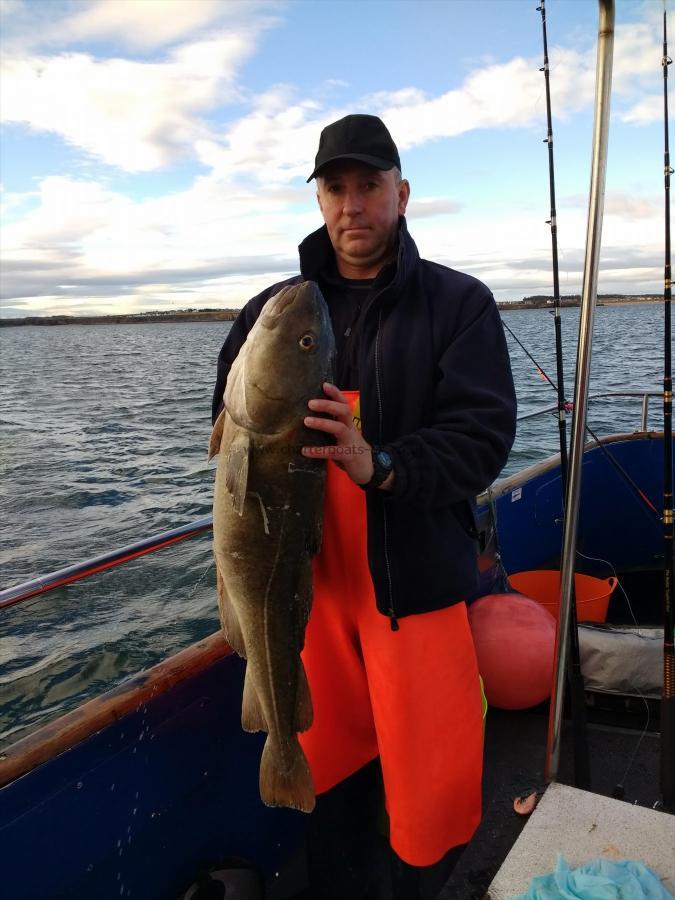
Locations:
(356, 412)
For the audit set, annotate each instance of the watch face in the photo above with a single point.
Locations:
(384, 459)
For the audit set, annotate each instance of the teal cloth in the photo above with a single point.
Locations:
(601, 879)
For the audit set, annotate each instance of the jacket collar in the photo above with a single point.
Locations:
(316, 252)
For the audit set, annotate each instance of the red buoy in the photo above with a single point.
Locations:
(515, 644)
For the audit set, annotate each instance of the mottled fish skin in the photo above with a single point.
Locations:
(267, 515)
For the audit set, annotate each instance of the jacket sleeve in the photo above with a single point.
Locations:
(234, 340)
(474, 418)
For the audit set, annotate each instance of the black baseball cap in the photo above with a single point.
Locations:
(360, 137)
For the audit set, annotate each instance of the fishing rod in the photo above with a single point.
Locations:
(668, 696)
(562, 405)
(582, 775)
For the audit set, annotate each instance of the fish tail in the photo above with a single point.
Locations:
(304, 712)
(294, 787)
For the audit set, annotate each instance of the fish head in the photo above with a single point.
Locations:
(287, 356)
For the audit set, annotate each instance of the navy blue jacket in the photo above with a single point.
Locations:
(437, 393)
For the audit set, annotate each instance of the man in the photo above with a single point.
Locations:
(423, 417)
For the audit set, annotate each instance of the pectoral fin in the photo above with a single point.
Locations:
(236, 470)
(217, 435)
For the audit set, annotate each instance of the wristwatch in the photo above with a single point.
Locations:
(383, 465)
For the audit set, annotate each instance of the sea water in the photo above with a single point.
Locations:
(104, 436)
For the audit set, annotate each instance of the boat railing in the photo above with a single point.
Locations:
(643, 393)
(76, 572)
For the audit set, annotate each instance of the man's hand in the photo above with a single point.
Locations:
(350, 451)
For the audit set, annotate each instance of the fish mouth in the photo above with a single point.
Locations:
(284, 299)
(265, 394)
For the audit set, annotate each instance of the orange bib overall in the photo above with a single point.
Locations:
(412, 696)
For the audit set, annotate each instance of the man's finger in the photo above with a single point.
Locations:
(332, 407)
(333, 391)
(330, 426)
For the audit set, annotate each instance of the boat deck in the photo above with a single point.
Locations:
(583, 826)
(514, 765)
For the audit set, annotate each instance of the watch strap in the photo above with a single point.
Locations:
(382, 468)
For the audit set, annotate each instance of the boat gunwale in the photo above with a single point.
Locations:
(504, 485)
(74, 727)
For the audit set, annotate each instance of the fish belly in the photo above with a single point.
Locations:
(263, 559)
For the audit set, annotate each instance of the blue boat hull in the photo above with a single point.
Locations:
(138, 808)
(617, 530)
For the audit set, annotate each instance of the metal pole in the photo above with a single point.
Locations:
(582, 776)
(583, 369)
(644, 419)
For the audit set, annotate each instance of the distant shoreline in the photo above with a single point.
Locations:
(197, 315)
(574, 300)
(229, 315)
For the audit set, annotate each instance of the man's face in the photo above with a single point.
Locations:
(360, 206)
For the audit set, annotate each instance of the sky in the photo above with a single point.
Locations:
(154, 153)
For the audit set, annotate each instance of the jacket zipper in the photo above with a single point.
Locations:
(378, 387)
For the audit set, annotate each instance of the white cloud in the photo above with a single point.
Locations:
(138, 114)
(79, 244)
(500, 96)
(428, 207)
(13, 204)
(621, 204)
(647, 111)
(276, 140)
(210, 245)
(144, 115)
(216, 244)
(134, 115)
(332, 84)
(136, 25)
(140, 23)
(637, 57)
(511, 250)
(632, 207)
(511, 94)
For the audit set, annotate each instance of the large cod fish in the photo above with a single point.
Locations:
(267, 518)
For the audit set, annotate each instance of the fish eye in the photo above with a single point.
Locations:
(306, 341)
